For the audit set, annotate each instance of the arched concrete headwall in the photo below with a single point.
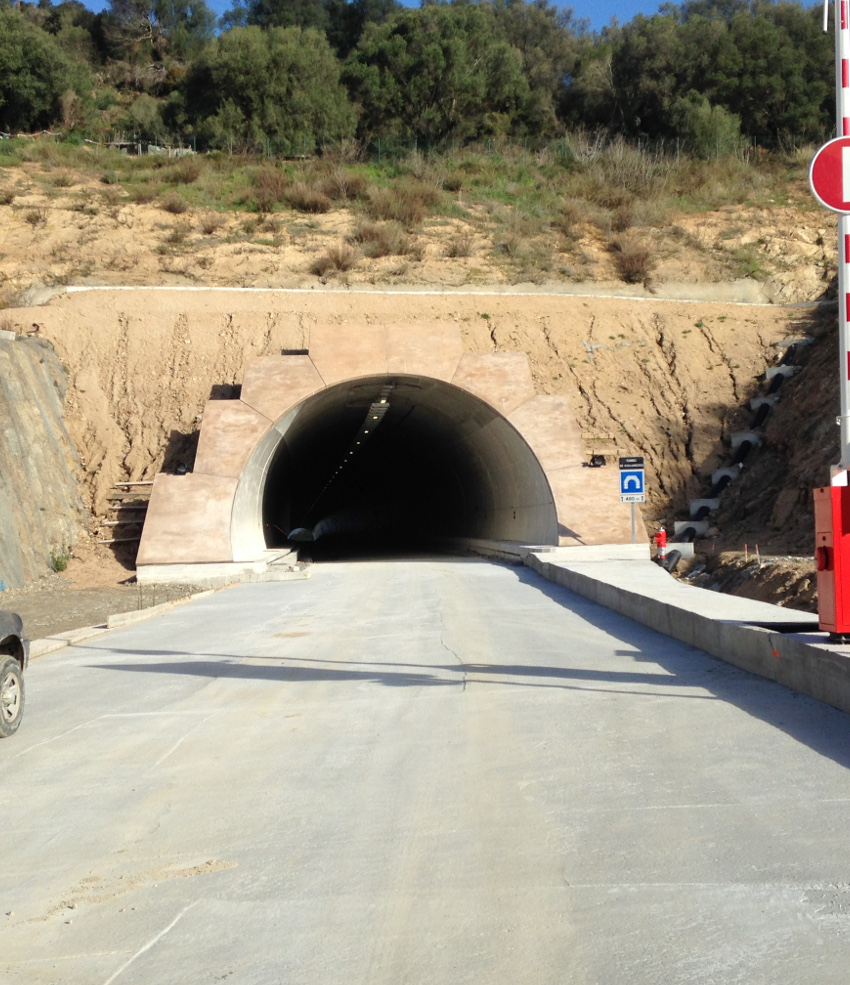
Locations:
(211, 515)
(499, 489)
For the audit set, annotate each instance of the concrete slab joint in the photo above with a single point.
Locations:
(520, 452)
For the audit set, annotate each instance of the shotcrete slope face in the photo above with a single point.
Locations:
(397, 462)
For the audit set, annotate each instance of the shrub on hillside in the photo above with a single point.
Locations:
(632, 259)
(304, 198)
(407, 202)
(340, 257)
(270, 186)
(381, 239)
(175, 204)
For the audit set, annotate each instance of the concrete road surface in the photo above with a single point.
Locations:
(426, 772)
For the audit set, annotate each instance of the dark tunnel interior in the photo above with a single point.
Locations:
(396, 463)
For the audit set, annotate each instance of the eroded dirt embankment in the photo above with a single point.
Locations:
(666, 379)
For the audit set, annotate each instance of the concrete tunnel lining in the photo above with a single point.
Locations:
(440, 463)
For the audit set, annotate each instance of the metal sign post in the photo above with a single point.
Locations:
(842, 120)
(829, 177)
(632, 485)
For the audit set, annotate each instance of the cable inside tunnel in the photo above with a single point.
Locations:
(400, 463)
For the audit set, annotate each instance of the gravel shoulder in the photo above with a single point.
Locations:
(95, 585)
(53, 605)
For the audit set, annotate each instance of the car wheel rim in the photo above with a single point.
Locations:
(10, 698)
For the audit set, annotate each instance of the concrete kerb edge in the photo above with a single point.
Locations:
(811, 669)
(50, 644)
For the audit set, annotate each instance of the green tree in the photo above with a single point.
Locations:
(348, 20)
(144, 118)
(151, 29)
(766, 62)
(35, 75)
(547, 38)
(774, 68)
(281, 85)
(77, 29)
(278, 13)
(709, 131)
(437, 72)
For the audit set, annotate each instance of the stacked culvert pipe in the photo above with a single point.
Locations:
(686, 532)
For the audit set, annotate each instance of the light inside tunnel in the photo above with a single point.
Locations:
(398, 462)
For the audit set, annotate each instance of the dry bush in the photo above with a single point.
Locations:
(632, 259)
(174, 204)
(250, 226)
(513, 238)
(621, 219)
(36, 217)
(341, 185)
(7, 196)
(341, 256)
(62, 180)
(651, 211)
(185, 173)
(211, 223)
(460, 245)
(304, 198)
(111, 196)
(269, 224)
(177, 234)
(275, 227)
(342, 152)
(572, 215)
(453, 182)
(378, 239)
(407, 202)
(270, 188)
(84, 205)
(144, 194)
(511, 243)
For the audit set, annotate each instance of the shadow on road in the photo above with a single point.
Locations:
(817, 725)
(687, 672)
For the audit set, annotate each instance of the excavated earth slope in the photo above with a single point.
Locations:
(40, 507)
(667, 379)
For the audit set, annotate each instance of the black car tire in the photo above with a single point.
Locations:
(11, 696)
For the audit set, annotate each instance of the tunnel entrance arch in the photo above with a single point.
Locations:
(465, 447)
(397, 460)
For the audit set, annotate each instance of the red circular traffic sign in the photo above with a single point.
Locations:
(829, 175)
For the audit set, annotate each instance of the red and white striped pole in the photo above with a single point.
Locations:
(829, 178)
(842, 129)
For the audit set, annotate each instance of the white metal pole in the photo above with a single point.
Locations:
(842, 129)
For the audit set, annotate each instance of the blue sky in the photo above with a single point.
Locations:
(599, 13)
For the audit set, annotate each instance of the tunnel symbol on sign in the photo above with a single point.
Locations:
(631, 481)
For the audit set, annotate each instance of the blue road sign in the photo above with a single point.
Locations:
(631, 482)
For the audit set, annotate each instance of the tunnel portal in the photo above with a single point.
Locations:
(388, 434)
(399, 462)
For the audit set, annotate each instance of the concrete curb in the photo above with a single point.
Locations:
(803, 661)
(50, 644)
(38, 648)
(120, 619)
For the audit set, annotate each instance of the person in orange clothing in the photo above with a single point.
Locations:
(660, 539)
